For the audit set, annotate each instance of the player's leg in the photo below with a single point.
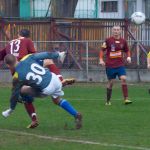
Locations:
(55, 90)
(63, 103)
(122, 77)
(111, 75)
(53, 68)
(28, 103)
(29, 107)
(109, 91)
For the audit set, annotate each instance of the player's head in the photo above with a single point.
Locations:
(116, 31)
(24, 33)
(10, 60)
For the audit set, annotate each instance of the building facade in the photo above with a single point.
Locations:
(116, 9)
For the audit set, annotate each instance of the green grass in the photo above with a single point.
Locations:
(116, 124)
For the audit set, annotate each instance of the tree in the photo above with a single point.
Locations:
(63, 8)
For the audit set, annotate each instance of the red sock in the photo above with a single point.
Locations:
(53, 68)
(125, 90)
(31, 110)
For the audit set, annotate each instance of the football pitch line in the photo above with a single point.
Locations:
(100, 99)
(59, 139)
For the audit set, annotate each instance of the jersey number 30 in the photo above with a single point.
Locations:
(37, 73)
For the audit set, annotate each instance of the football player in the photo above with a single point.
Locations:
(21, 47)
(114, 47)
(32, 79)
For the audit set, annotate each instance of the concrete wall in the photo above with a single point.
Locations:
(133, 75)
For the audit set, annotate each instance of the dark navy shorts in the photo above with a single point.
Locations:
(112, 73)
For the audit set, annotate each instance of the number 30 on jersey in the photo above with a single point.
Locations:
(37, 73)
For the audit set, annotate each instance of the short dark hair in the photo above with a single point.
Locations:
(10, 59)
(24, 33)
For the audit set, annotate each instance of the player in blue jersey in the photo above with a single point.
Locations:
(32, 79)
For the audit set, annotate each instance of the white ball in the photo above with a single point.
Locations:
(138, 18)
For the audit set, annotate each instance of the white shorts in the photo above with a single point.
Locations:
(54, 88)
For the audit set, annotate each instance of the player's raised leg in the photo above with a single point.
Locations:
(53, 68)
(55, 90)
(63, 103)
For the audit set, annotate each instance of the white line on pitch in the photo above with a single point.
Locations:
(100, 99)
(72, 140)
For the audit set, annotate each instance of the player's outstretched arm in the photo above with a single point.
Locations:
(50, 55)
(46, 55)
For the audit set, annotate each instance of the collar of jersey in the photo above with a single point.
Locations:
(25, 57)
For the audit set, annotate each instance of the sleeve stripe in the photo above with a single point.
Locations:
(25, 57)
(15, 75)
(148, 55)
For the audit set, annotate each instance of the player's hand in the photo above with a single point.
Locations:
(148, 66)
(129, 60)
(7, 113)
(101, 62)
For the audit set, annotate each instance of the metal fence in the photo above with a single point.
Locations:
(75, 29)
(84, 55)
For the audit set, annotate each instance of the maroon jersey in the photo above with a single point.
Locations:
(114, 51)
(18, 47)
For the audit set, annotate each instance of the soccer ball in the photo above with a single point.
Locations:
(138, 18)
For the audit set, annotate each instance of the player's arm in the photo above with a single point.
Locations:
(2, 54)
(14, 96)
(31, 48)
(148, 60)
(46, 55)
(101, 54)
(126, 49)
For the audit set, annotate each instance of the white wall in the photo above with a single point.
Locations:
(140, 5)
(114, 15)
(85, 9)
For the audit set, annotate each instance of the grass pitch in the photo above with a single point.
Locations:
(115, 127)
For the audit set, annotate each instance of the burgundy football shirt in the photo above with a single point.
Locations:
(18, 47)
(114, 51)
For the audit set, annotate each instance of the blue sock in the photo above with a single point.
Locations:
(67, 106)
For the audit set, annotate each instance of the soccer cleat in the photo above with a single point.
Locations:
(33, 124)
(126, 102)
(68, 81)
(108, 103)
(62, 56)
(78, 121)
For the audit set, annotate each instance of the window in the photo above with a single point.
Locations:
(147, 8)
(109, 6)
